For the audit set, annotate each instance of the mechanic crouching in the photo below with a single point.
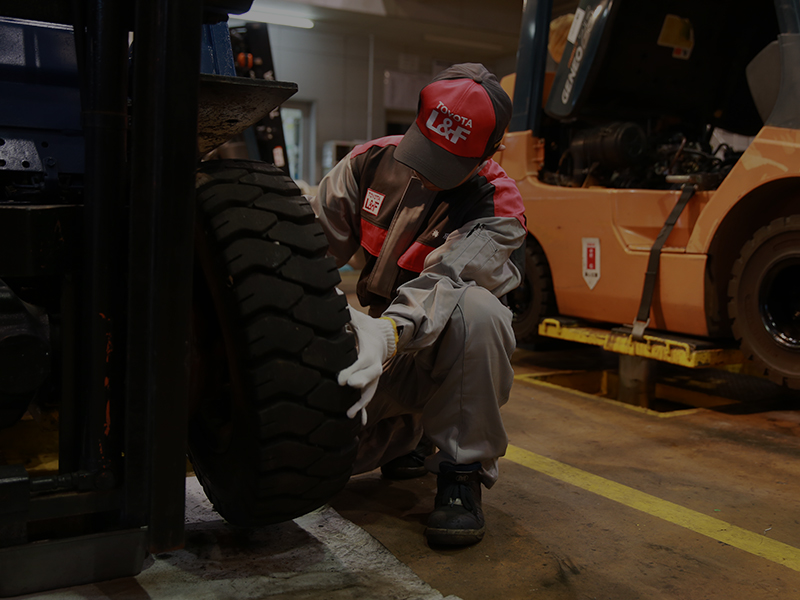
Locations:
(438, 221)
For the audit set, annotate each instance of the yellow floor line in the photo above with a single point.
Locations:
(754, 543)
(534, 380)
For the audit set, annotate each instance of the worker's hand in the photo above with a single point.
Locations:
(377, 342)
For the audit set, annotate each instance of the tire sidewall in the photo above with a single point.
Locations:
(537, 285)
(778, 242)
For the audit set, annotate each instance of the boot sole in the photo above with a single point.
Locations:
(454, 537)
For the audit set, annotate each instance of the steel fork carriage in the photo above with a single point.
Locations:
(100, 140)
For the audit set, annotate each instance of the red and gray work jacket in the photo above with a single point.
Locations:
(422, 248)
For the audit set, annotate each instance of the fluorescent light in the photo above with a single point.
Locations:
(429, 37)
(262, 16)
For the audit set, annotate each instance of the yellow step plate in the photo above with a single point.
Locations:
(675, 350)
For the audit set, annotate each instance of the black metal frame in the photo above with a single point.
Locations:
(125, 370)
(119, 253)
(163, 162)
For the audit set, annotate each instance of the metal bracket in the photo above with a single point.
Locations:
(638, 328)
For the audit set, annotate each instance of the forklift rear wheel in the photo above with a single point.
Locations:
(268, 436)
(534, 299)
(764, 300)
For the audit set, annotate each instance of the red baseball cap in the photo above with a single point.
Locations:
(461, 117)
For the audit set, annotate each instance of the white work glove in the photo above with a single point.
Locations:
(377, 342)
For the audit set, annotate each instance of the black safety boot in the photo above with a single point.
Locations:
(457, 518)
(409, 465)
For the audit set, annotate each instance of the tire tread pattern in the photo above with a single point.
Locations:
(293, 447)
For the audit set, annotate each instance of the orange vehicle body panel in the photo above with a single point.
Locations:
(773, 154)
(626, 222)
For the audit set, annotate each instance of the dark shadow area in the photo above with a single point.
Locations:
(749, 394)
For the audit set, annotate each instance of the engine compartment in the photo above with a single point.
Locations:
(627, 154)
(644, 94)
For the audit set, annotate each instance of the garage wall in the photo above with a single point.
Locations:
(332, 72)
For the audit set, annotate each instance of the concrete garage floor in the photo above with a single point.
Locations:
(600, 500)
(320, 555)
(597, 501)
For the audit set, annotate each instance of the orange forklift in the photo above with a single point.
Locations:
(659, 163)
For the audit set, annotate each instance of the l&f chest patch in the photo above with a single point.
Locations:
(373, 201)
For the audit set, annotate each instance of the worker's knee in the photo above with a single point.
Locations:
(486, 318)
(479, 333)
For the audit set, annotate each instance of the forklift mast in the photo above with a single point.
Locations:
(98, 152)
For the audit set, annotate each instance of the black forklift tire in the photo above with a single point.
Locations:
(268, 436)
(534, 299)
(764, 300)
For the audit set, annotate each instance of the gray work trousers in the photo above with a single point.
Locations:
(451, 391)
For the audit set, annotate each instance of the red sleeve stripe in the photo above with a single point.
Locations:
(414, 258)
(507, 199)
(372, 237)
